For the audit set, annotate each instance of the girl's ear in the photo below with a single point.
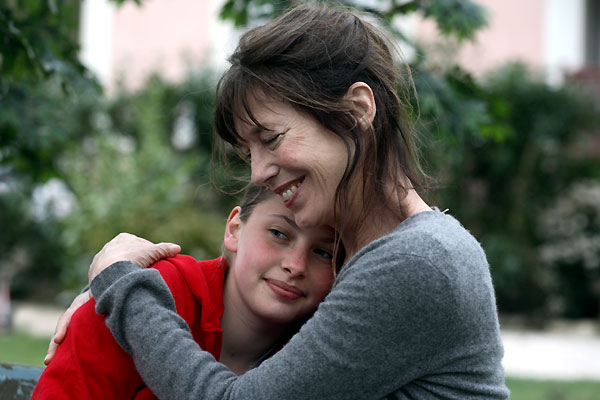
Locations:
(232, 230)
(361, 96)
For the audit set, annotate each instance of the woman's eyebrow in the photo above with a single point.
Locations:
(256, 130)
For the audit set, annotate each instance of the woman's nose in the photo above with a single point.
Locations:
(263, 169)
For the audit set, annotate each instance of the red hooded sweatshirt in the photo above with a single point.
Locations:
(90, 364)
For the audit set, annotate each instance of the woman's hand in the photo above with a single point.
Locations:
(128, 247)
(123, 247)
(63, 323)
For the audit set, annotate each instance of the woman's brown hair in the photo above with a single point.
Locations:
(309, 57)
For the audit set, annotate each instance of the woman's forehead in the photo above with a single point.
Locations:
(257, 114)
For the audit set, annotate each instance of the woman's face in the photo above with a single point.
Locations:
(297, 158)
(280, 272)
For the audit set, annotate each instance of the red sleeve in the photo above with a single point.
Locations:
(89, 364)
(197, 288)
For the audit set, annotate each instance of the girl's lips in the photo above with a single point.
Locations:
(284, 290)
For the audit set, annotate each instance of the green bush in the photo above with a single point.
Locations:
(505, 158)
(143, 166)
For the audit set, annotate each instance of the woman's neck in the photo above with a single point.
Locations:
(246, 338)
(381, 220)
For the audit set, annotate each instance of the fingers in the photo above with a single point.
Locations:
(128, 247)
(51, 352)
(166, 250)
(63, 323)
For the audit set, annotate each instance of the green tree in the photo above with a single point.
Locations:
(56, 125)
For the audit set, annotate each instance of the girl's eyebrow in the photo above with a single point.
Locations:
(288, 219)
(293, 224)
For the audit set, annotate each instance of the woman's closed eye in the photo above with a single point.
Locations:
(271, 140)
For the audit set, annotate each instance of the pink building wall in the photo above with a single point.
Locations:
(514, 33)
(165, 36)
(171, 35)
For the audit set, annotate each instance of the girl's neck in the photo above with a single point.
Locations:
(246, 338)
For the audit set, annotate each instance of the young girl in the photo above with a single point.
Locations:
(241, 307)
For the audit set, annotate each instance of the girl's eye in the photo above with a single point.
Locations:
(278, 234)
(323, 253)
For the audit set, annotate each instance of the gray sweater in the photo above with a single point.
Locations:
(411, 316)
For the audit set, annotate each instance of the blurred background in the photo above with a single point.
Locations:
(105, 127)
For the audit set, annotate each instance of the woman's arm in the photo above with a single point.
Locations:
(360, 344)
(124, 246)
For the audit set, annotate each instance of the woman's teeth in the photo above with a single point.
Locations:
(288, 193)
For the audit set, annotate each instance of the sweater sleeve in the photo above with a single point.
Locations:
(377, 331)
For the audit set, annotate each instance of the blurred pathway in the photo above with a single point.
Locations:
(551, 355)
(567, 351)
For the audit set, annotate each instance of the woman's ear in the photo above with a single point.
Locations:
(232, 230)
(361, 96)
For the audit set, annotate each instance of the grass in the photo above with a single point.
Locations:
(528, 389)
(20, 348)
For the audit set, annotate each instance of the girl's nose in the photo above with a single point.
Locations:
(295, 263)
(263, 169)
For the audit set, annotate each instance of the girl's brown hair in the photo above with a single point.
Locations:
(309, 57)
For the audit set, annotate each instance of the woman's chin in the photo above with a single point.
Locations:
(306, 220)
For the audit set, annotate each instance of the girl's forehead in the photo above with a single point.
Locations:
(273, 208)
(272, 205)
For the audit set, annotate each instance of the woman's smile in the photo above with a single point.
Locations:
(288, 191)
(304, 164)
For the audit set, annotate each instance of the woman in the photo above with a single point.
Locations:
(311, 100)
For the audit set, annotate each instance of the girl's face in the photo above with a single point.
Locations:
(279, 273)
(297, 158)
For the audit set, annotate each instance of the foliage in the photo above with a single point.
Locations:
(130, 174)
(504, 154)
(41, 83)
(39, 41)
(114, 159)
(459, 18)
(570, 229)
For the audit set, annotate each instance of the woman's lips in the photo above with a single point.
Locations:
(284, 290)
(288, 190)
